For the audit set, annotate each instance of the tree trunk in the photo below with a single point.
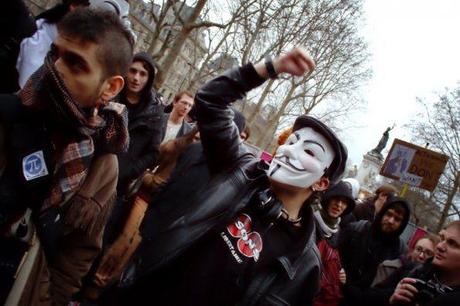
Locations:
(199, 74)
(449, 202)
(177, 45)
(155, 39)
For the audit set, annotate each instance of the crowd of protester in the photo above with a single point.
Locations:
(110, 195)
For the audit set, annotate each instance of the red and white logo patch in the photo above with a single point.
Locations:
(249, 243)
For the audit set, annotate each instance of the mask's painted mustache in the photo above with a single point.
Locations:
(274, 170)
(288, 163)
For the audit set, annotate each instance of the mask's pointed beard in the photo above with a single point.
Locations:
(274, 170)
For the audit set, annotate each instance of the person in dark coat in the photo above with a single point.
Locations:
(145, 121)
(363, 245)
(246, 238)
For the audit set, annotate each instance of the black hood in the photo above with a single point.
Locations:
(341, 189)
(147, 94)
(146, 58)
(391, 201)
(142, 112)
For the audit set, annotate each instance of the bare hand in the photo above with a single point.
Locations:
(404, 291)
(296, 62)
(342, 276)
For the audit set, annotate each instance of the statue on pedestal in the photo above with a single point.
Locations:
(383, 141)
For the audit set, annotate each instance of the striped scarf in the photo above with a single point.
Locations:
(45, 92)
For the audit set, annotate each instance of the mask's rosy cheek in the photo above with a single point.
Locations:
(310, 164)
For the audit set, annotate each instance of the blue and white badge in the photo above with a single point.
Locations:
(34, 166)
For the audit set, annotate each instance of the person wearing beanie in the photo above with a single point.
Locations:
(247, 237)
(363, 245)
(336, 202)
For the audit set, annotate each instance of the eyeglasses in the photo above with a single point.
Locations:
(427, 252)
(185, 103)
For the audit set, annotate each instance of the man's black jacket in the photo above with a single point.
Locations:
(145, 130)
(363, 247)
(428, 272)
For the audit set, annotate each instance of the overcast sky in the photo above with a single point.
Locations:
(415, 50)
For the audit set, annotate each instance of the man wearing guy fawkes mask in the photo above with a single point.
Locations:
(245, 238)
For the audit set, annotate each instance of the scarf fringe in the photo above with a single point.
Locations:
(88, 215)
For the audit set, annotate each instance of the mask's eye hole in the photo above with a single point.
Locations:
(310, 152)
(291, 140)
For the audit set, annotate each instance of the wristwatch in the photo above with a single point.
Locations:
(270, 68)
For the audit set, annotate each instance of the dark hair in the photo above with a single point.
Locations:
(104, 28)
(145, 65)
(398, 207)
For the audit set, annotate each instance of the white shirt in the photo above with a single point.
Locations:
(34, 49)
(171, 131)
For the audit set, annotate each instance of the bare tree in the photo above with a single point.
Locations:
(331, 36)
(177, 31)
(439, 126)
(218, 39)
(159, 16)
(257, 28)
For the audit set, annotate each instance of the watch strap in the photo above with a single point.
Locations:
(270, 68)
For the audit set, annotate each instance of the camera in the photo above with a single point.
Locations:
(429, 290)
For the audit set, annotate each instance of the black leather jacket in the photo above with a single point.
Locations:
(235, 177)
